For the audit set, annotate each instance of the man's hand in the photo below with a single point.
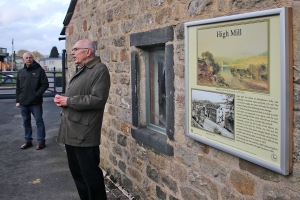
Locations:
(60, 100)
(18, 105)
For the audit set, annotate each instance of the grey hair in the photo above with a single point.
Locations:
(92, 46)
(27, 53)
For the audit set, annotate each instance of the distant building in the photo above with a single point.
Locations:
(3, 54)
(4, 65)
(51, 64)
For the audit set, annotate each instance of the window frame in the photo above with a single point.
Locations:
(143, 42)
(147, 86)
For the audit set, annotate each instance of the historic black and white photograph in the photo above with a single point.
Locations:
(213, 112)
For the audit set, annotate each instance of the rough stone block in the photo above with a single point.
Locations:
(156, 3)
(135, 174)
(139, 151)
(114, 29)
(271, 192)
(122, 166)
(138, 23)
(125, 128)
(105, 32)
(242, 183)
(180, 99)
(230, 193)
(185, 156)
(160, 193)
(70, 30)
(123, 55)
(119, 41)
(179, 11)
(105, 56)
(116, 149)
(127, 155)
(178, 172)
(202, 183)
(132, 7)
(157, 160)
(139, 193)
(116, 177)
(148, 19)
(127, 183)
(122, 140)
(109, 15)
(179, 70)
(172, 198)
(169, 182)
(125, 102)
(190, 194)
(111, 135)
(296, 94)
(127, 27)
(115, 123)
(248, 4)
(84, 25)
(153, 174)
(163, 16)
(213, 168)
(113, 56)
(111, 110)
(124, 79)
(120, 12)
(196, 7)
(179, 32)
(113, 159)
(137, 163)
(158, 36)
(259, 171)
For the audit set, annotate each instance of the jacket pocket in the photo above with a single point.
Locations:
(78, 117)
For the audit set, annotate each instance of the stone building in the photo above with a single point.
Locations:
(164, 163)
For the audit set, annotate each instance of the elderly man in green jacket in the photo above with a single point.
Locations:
(81, 120)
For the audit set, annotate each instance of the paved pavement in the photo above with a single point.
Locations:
(36, 174)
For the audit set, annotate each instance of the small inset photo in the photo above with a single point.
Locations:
(213, 112)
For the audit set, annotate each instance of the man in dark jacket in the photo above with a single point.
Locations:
(32, 82)
(81, 120)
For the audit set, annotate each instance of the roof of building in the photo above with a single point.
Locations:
(68, 16)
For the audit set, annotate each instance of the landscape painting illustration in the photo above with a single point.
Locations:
(213, 112)
(234, 56)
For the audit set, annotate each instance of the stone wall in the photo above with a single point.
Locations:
(195, 171)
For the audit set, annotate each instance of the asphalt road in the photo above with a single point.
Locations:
(31, 173)
(34, 174)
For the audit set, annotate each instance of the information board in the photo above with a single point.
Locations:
(238, 81)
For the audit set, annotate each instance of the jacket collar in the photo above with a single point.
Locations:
(32, 66)
(93, 62)
(90, 64)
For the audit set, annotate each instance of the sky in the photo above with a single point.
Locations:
(211, 96)
(34, 25)
(252, 40)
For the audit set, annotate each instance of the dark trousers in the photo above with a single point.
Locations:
(88, 176)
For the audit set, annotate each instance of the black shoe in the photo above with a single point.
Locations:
(41, 146)
(26, 145)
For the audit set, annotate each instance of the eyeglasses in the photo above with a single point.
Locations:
(76, 49)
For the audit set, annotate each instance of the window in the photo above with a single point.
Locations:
(155, 90)
(51, 62)
(152, 82)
